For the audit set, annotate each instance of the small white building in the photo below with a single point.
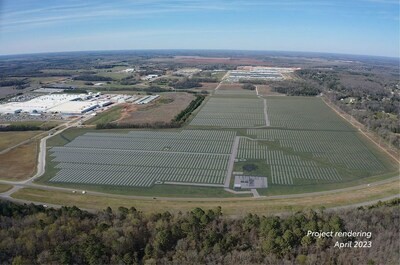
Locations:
(149, 77)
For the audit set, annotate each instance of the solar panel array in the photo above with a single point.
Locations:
(341, 148)
(140, 158)
(304, 113)
(231, 113)
(285, 168)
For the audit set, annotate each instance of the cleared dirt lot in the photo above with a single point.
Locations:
(162, 110)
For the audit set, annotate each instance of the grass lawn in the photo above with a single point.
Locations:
(230, 206)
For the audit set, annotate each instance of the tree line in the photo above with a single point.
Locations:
(296, 88)
(14, 82)
(25, 127)
(92, 78)
(184, 114)
(31, 234)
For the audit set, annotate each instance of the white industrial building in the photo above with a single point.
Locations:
(74, 107)
(70, 104)
(40, 104)
(66, 104)
(146, 99)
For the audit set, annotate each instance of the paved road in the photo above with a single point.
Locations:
(255, 193)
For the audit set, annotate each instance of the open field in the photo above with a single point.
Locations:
(266, 90)
(235, 92)
(231, 113)
(19, 163)
(107, 116)
(231, 86)
(39, 123)
(230, 207)
(5, 187)
(162, 110)
(142, 158)
(9, 139)
(6, 91)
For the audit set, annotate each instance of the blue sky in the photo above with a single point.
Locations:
(368, 27)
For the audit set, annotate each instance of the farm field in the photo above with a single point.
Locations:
(145, 158)
(231, 113)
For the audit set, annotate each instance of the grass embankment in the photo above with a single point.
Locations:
(20, 162)
(5, 187)
(9, 139)
(230, 207)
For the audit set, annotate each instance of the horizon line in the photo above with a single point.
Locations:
(194, 49)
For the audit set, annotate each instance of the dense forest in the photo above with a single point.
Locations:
(32, 234)
(296, 88)
(92, 78)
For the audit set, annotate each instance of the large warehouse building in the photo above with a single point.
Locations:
(67, 104)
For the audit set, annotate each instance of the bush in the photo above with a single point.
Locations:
(248, 86)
